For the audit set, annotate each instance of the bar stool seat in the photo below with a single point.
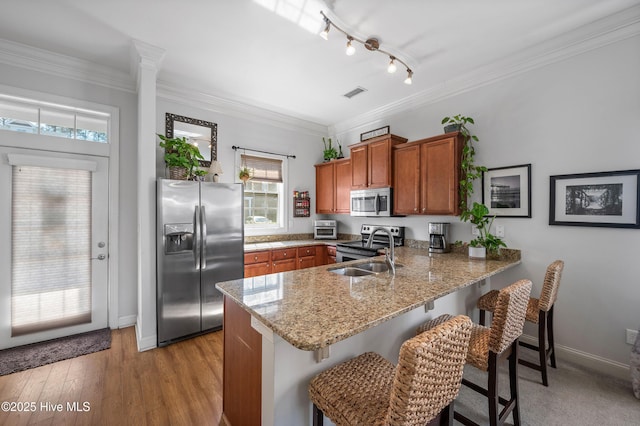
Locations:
(539, 311)
(490, 345)
(369, 390)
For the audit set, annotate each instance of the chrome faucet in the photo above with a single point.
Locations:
(390, 259)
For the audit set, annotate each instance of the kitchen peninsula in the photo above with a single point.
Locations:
(278, 326)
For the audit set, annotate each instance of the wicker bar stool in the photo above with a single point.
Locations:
(489, 346)
(369, 390)
(539, 311)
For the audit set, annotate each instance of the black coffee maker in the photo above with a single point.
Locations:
(439, 237)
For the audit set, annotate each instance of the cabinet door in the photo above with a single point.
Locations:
(379, 158)
(342, 186)
(440, 178)
(284, 265)
(359, 170)
(257, 269)
(306, 262)
(406, 187)
(331, 254)
(325, 188)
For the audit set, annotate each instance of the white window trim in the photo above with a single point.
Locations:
(283, 228)
(113, 152)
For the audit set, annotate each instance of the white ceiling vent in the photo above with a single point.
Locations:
(354, 92)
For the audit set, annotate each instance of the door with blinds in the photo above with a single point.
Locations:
(54, 230)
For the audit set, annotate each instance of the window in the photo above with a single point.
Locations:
(263, 193)
(27, 116)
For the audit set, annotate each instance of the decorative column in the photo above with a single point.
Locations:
(146, 61)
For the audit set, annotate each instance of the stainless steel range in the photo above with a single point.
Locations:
(358, 249)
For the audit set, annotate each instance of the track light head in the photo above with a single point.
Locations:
(392, 65)
(409, 78)
(350, 48)
(325, 33)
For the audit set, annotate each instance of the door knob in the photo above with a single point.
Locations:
(100, 257)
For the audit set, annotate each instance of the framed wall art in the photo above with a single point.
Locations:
(605, 199)
(506, 191)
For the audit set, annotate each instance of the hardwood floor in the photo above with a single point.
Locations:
(180, 384)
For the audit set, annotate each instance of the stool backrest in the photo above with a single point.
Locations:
(429, 372)
(551, 285)
(508, 318)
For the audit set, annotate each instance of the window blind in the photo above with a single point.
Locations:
(263, 169)
(51, 241)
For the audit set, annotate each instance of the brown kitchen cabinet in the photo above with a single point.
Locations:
(330, 255)
(426, 176)
(283, 260)
(371, 162)
(333, 187)
(257, 263)
(307, 257)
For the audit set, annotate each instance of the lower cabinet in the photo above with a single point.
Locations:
(282, 260)
(257, 263)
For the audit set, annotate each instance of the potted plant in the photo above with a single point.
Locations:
(244, 174)
(470, 171)
(182, 158)
(329, 152)
(485, 243)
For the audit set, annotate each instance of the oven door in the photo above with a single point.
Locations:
(325, 233)
(345, 257)
(371, 202)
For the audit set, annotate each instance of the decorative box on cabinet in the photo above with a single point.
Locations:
(333, 186)
(371, 162)
(427, 175)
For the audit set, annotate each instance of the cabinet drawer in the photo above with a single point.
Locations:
(281, 254)
(331, 250)
(256, 257)
(306, 251)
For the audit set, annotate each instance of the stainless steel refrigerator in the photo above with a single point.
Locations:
(200, 241)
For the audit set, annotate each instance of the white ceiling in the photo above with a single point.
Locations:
(260, 53)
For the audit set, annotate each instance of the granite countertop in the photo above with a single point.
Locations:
(314, 308)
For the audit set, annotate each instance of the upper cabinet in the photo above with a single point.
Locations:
(426, 176)
(371, 164)
(333, 186)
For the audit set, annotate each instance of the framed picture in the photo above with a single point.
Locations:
(374, 133)
(506, 191)
(606, 199)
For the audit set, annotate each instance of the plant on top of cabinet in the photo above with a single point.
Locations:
(181, 158)
(470, 171)
(329, 151)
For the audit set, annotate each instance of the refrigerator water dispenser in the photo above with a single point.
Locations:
(178, 237)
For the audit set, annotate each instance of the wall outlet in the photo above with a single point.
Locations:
(500, 231)
(474, 230)
(631, 336)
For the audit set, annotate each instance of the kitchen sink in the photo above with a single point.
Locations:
(362, 269)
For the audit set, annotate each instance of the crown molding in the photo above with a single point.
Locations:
(238, 109)
(40, 60)
(617, 27)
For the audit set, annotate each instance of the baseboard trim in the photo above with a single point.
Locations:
(589, 361)
(127, 321)
(144, 344)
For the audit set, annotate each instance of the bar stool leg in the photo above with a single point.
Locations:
(318, 416)
(542, 346)
(513, 382)
(492, 394)
(552, 347)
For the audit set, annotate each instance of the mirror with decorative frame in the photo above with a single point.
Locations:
(202, 133)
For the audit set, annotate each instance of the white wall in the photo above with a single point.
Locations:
(578, 115)
(126, 102)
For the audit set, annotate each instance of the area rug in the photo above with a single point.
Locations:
(36, 354)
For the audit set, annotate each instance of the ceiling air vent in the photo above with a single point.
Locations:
(354, 92)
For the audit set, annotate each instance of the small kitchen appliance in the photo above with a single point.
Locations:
(325, 230)
(439, 237)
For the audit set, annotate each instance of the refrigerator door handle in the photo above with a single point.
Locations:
(203, 238)
(197, 238)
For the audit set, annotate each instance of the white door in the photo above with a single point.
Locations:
(54, 253)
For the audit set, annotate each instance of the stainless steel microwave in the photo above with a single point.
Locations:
(372, 202)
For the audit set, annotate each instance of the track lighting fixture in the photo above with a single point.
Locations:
(392, 66)
(371, 44)
(350, 49)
